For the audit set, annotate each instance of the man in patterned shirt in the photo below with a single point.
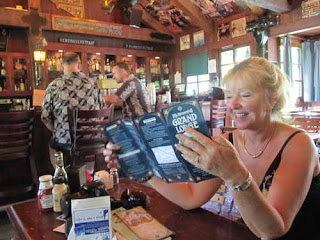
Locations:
(132, 92)
(71, 90)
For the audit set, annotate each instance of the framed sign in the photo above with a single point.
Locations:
(198, 38)
(80, 25)
(310, 8)
(238, 27)
(223, 32)
(185, 42)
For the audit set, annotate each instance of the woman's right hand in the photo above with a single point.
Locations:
(110, 155)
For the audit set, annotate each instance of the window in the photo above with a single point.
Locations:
(195, 69)
(296, 65)
(229, 58)
(197, 84)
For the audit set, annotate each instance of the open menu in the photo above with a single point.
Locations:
(143, 225)
(147, 143)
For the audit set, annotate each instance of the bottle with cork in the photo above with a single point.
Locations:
(60, 182)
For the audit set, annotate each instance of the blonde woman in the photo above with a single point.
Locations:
(271, 168)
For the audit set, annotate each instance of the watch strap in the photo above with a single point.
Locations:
(243, 186)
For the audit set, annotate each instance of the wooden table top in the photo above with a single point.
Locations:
(188, 225)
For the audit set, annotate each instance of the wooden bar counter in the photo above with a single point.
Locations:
(196, 224)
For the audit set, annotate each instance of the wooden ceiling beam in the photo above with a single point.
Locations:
(279, 6)
(256, 10)
(12, 17)
(196, 15)
(150, 21)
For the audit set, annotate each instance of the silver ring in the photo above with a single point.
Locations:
(197, 160)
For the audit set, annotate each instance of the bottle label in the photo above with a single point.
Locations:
(57, 192)
(46, 201)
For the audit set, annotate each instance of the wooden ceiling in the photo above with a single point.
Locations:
(176, 16)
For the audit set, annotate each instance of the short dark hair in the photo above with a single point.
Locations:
(122, 65)
(70, 58)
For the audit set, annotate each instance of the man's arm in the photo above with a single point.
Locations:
(115, 99)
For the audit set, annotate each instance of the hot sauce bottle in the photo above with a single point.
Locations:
(45, 200)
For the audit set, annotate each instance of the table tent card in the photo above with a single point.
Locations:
(91, 218)
(147, 143)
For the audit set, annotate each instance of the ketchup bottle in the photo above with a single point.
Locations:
(45, 200)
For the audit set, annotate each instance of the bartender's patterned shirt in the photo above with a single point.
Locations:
(70, 91)
(135, 97)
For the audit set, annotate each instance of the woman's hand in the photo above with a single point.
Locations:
(110, 155)
(216, 156)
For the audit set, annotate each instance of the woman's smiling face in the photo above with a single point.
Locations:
(247, 103)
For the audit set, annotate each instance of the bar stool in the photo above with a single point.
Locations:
(17, 168)
(86, 131)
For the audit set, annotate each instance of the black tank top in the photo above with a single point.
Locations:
(305, 225)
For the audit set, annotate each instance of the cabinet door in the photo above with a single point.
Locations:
(155, 72)
(94, 65)
(109, 60)
(4, 85)
(54, 65)
(141, 70)
(20, 75)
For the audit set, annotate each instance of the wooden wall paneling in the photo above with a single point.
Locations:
(150, 21)
(14, 3)
(104, 50)
(12, 17)
(293, 22)
(84, 62)
(241, 40)
(18, 40)
(273, 5)
(48, 6)
(195, 13)
(94, 11)
(273, 49)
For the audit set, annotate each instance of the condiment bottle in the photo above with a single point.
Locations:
(115, 176)
(59, 188)
(60, 171)
(45, 200)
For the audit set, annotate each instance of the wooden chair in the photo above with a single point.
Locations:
(86, 131)
(17, 169)
(309, 124)
(218, 110)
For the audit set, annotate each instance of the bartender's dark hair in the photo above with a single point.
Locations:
(122, 65)
(70, 58)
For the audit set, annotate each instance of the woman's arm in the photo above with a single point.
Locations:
(187, 195)
(267, 217)
(272, 216)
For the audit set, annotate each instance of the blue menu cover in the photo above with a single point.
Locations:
(147, 143)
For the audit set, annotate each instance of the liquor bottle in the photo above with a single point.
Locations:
(59, 188)
(98, 66)
(108, 66)
(3, 69)
(60, 182)
(60, 172)
(22, 86)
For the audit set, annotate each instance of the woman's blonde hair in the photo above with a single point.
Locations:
(266, 75)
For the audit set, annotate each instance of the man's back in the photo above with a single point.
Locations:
(70, 91)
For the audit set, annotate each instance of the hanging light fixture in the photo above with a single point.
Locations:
(39, 56)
